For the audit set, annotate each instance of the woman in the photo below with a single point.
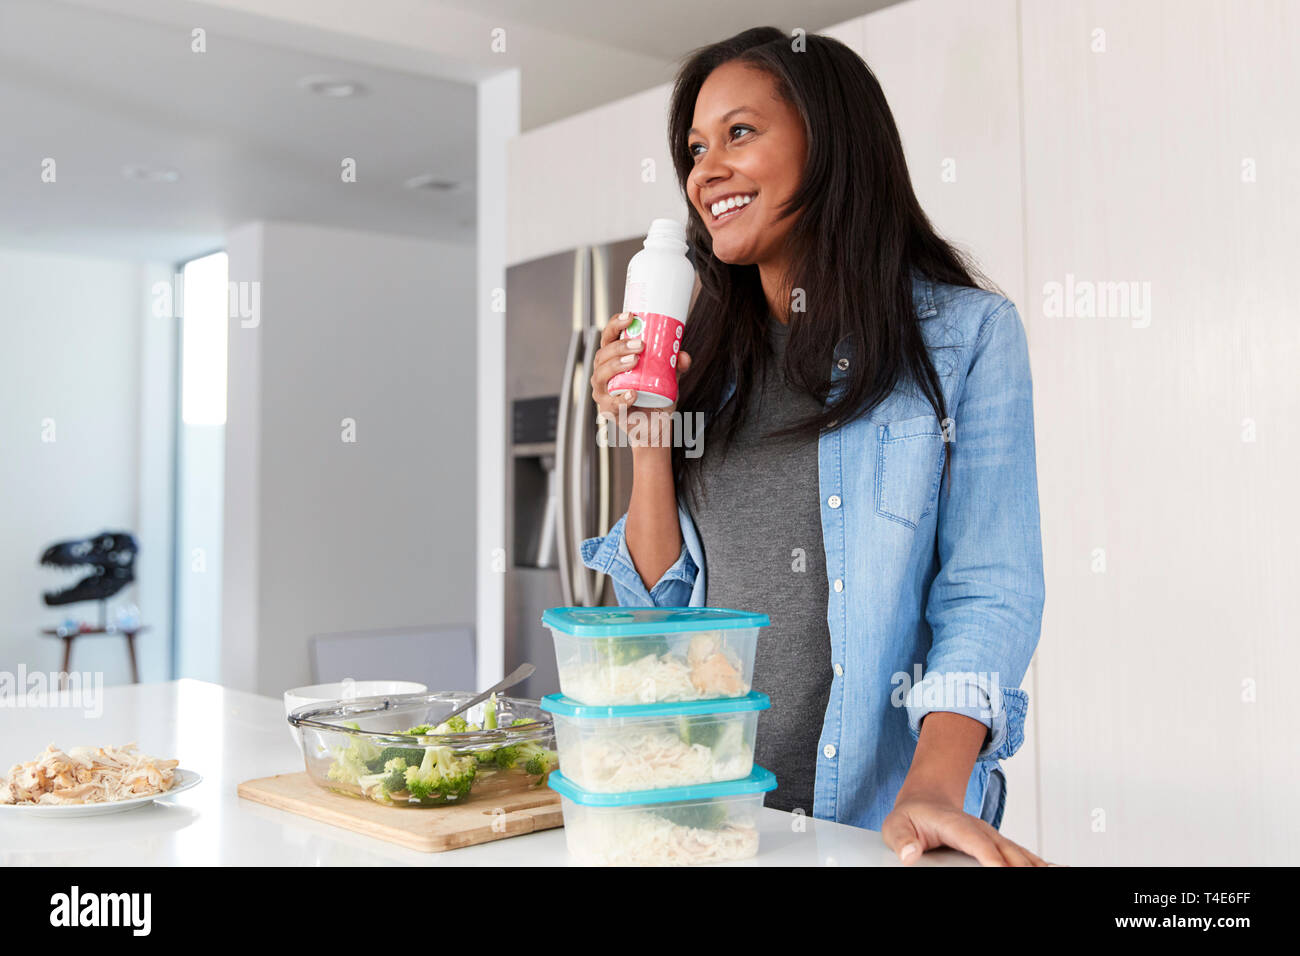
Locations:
(868, 476)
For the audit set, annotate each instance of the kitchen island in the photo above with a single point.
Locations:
(230, 736)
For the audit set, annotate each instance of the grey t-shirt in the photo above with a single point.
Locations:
(759, 520)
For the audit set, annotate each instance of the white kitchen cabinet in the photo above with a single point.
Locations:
(1136, 140)
(582, 181)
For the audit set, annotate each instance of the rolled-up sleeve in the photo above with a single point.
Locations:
(985, 603)
(609, 555)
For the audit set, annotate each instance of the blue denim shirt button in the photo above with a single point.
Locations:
(829, 751)
(833, 501)
(839, 584)
(839, 671)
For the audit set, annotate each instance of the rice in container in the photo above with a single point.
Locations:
(655, 746)
(616, 656)
(709, 823)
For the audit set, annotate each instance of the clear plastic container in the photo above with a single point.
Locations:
(710, 823)
(350, 747)
(643, 655)
(653, 746)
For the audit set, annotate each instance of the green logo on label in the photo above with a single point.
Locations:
(635, 326)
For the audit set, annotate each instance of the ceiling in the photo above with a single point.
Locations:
(669, 29)
(97, 91)
(100, 85)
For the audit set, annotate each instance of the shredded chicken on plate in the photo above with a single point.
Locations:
(87, 775)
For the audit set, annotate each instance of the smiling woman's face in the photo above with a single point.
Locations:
(747, 144)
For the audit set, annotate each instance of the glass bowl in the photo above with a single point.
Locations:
(359, 747)
(344, 690)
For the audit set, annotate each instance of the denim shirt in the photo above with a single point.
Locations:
(935, 599)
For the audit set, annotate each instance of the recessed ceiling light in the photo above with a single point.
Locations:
(336, 87)
(151, 174)
(428, 182)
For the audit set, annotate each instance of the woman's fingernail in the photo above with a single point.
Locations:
(907, 852)
(627, 396)
(634, 343)
(628, 359)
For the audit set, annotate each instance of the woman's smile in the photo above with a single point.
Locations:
(728, 209)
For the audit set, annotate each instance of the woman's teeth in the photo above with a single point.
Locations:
(730, 203)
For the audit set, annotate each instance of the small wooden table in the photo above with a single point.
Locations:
(128, 633)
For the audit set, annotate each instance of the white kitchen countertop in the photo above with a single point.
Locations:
(230, 736)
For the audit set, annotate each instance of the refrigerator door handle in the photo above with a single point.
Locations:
(604, 516)
(601, 307)
(589, 583)
(577, 483)
(563, 437)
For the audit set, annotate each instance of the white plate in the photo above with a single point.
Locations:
(183, 780)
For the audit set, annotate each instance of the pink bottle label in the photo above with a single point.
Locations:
(655, 369)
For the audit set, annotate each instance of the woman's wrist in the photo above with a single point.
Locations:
(653, 454)
(931, 791)
(944, 758)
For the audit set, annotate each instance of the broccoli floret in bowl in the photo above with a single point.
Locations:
(442, 777)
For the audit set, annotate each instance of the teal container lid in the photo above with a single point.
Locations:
(568, 707)
(631, 621)
(758, 781)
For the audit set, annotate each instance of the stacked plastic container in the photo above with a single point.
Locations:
(655, 727)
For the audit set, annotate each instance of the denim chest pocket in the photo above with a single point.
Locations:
(909, 464)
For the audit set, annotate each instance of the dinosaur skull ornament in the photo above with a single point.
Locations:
(110, 557)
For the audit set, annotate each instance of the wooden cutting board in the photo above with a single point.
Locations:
(430, 830)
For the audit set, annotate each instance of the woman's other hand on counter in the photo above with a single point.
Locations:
(921, 822)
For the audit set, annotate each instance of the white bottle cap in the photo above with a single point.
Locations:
(666, 230)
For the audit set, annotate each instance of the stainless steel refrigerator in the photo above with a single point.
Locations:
(561, 486)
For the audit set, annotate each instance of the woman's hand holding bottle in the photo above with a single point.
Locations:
(645, 427)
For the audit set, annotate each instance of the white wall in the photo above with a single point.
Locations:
(242, 508)
(156, 444)
(498, 122)
(80, 348)
(200, 467)
(1169, 444)
(348, 536)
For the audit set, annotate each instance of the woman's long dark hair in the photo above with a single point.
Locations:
(858, 235)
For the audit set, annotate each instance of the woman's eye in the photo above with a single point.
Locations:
(694, 147)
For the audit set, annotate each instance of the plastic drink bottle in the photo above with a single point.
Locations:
(658, 294)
